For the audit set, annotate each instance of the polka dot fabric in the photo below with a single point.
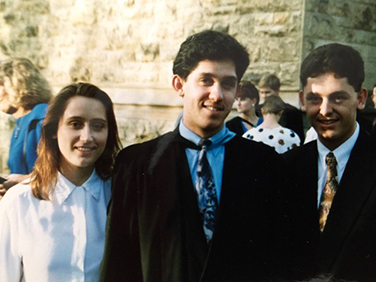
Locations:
(280, 138)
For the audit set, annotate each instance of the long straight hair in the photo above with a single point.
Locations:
(44, 176)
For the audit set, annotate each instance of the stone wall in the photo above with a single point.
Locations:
(127, 47)
(350, 22)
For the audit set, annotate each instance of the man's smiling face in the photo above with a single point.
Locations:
(209, 93)
(331, 104)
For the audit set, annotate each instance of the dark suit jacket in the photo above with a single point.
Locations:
(291, 118)
(154, 230)
(347, 247)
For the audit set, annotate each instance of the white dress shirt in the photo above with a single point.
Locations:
(342, 154)
(53, 241)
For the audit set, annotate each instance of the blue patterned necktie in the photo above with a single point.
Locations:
(207, 194)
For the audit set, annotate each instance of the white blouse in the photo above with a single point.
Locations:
(62, 240)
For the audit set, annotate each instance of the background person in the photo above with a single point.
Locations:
(24, 94)
(292, 118)
(246, 101)
(270, 132)
(52, 228)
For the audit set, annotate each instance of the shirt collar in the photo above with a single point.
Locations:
(64, 187)
(342, 153)
(223, 136)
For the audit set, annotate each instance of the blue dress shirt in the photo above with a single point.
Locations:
(215, 153)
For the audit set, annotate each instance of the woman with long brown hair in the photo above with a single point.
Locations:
(53, 227)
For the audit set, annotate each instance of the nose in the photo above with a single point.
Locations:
(216, 93)
(86, 134)
(325, 107)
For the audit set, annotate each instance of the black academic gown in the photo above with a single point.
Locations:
(154, 230)
(347, 247)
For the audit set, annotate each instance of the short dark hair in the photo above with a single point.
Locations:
(273, 104)
(210, 45)
(249, 90)
(344, 61)
(270, 80)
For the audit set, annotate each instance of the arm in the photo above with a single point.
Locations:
(122, 257)
(12, 180)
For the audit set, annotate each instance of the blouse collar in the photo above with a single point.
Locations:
(64, 187)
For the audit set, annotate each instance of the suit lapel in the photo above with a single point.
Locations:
(356, 185)
(196, 248)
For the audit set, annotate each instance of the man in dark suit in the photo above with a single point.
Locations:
(159, 227)
(292, 117)
(333, 179)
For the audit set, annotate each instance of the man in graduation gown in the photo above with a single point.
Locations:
(158, 228)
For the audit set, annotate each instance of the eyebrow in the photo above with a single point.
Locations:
(232, 77)
(81, 118)
(339, 92)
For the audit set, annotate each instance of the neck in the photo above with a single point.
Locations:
(270, 121)
(20, 112)
(77, 176)
(250, 116)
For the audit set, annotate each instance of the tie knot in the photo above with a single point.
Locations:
(330, 159)
(204, 143)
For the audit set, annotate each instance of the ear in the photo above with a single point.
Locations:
(238, 90)
(362, 98)
(177, 84)
(301, 99)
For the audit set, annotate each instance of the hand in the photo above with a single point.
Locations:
(11, 180)
(2, 191)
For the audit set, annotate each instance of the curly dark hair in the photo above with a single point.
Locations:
(210, 45)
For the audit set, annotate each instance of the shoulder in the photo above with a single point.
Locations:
(365, 143)
(250, 149)
(142, 153)
(306, 151)
(252, 132)
(18, 195)
(291, 134)
(39, 111)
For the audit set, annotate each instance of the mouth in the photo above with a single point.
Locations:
(328, 121)
(85, 148)
(214, 108)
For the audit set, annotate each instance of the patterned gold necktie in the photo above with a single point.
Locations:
(330, 189)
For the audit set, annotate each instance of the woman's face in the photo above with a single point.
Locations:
(243, 104)
(82, 134)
